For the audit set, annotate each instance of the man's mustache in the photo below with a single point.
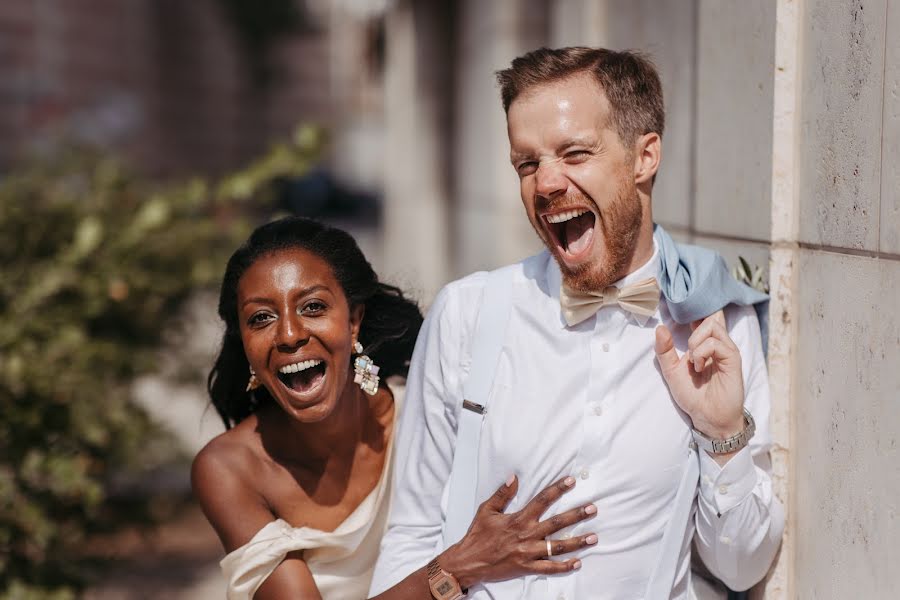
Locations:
(568, 200)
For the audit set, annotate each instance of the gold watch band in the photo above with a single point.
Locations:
(443, 585)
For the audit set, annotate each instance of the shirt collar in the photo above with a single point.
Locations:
(646, 271)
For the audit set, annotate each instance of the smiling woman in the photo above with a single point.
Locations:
(298, 488)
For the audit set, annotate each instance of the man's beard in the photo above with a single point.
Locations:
(620, 224)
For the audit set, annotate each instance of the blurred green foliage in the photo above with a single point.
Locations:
(752, 276)
(94, 265)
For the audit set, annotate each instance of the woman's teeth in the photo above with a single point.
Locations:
(300, 366)
(566, 216)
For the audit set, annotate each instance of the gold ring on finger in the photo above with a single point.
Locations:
(549, 549)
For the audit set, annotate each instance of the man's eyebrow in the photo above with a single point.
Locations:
(576, 141)
(515, 157)
(588, 142)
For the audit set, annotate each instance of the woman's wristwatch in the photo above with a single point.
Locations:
(444, 586)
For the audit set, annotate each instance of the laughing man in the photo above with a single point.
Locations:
(588, 384)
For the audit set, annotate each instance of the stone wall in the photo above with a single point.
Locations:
(841, 251)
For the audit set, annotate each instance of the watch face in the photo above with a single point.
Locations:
(444, 587)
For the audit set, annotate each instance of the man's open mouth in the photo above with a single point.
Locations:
(572, 231)
(302, 377)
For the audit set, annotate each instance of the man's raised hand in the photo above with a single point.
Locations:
(706, 381)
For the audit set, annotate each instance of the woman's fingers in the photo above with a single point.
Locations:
(565, 519)
(550, 567)
(550, 494)
(500, 499)
(559, 547)
(538, 548)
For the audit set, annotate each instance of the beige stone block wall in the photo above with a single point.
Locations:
(842, 85)
(733, 173)
(835, 349)
(756, 253)
(666, 32)
(847, 420)
(890, 140)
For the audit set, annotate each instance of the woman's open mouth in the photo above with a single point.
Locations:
(572, 232)
(303, 378)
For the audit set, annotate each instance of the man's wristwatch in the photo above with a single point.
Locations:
(444, 586)
(731, 444)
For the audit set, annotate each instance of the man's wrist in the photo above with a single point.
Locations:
(726, 431)
(725, 447)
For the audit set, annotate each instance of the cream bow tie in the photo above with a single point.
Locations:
(640, 299)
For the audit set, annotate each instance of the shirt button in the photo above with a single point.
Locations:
(561, 597)
(598, 410)
(723, 489)
(605, 347)
(725, 540)
(585, 473)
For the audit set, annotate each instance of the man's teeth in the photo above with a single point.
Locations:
(300, 366)
(566, 216)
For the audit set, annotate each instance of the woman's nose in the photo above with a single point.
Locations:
(291, 333)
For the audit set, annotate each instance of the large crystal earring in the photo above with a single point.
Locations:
(366, 371)
(254, 382)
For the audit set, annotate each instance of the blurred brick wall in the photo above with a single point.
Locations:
(164, 81)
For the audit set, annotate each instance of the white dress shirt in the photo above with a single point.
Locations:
(587, 401)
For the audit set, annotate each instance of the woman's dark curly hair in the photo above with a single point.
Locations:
(388, 331)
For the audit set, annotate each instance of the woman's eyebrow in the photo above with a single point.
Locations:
(256, 300)
(313, 288)
(304, 292)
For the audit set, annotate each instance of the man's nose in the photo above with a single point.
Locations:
(549, 179)
(291, 333)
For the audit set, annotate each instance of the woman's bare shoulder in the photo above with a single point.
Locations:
(235, 453)
(225, 477)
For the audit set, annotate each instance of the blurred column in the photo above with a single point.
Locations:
(417, 159)
(356, 94)
(492, 227)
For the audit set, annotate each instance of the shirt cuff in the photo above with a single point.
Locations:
(723, 488)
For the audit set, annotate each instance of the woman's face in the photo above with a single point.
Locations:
(298, 331)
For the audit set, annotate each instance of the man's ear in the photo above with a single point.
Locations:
(647, 154)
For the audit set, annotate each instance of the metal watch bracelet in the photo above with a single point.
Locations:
(729, 444)
(443, 585)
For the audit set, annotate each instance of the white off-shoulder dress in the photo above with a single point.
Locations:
(341, 561)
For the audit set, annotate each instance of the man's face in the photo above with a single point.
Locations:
(577, 179)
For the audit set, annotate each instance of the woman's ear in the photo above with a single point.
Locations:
(356, 317)
(647, 154)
